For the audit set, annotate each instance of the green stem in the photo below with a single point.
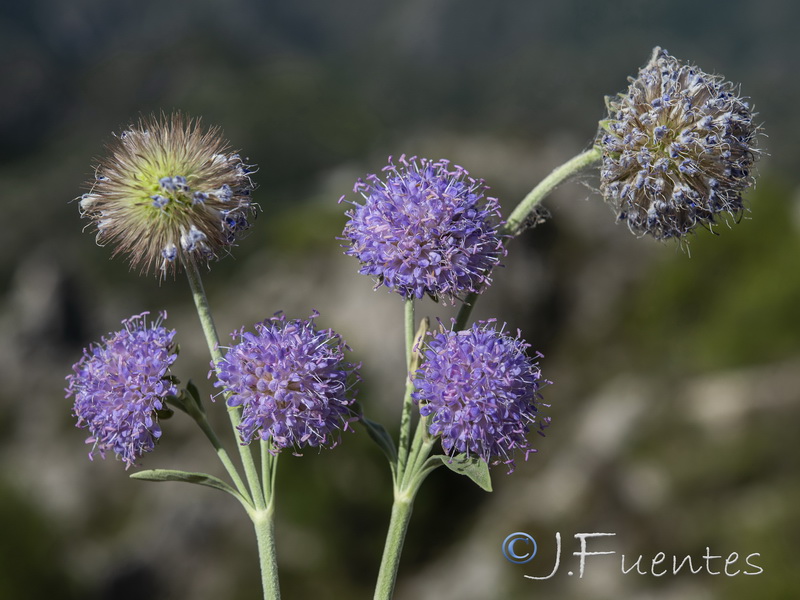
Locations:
(412, 458)
(265, 534)
(398, 524)
(420, 450)
(222, 453)
(261, 497)
(405, 418)
(465, 311)
(410, 327)
(516, 222)
(269, 468)
(406, 476)
(265, 525)
(203, 310)
(212, 340)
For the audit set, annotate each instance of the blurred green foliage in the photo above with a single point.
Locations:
(730, 299)
(32, 552)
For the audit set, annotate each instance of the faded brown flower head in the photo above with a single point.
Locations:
(678, 149)
(168, 191)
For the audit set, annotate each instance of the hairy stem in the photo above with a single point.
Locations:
(516, 222)
(398, 525)
(260, 491)
(202, 421)
(212, 339)
(405, 418)
(265, 534)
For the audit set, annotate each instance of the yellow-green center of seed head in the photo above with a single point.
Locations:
(164, 184)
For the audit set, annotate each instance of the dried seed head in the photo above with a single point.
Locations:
(678, 149)
(169, 191)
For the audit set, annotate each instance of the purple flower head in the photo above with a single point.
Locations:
(678, 149)
(481, 392)
(120, 384)
(291, 381)
(426, 228)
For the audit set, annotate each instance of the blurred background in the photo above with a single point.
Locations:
(676, 373)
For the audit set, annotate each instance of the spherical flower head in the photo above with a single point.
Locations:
(678, 149)
(119, 386)
(426, 228)
(169, 191)
(480, 391)
(291, 381)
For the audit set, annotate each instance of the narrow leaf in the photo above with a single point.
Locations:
(165, 413)
(381, 437)
(177, 402)
(186, 477)
(194, 395)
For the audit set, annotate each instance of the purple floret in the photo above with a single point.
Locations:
(291, 381)
(481, 393)
(426, 229)
(120, 383)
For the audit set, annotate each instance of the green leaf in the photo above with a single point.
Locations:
(194, 395)
(188, 400)
(604, 125)
(186, 477)
(381, 437)
(164, 413)
(177, 402)
(474, 468)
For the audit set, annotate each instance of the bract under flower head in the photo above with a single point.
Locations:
(678, 149)
(481, 392)
(426, 229)
(291, 381)
(120, 384)
(169, 191)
